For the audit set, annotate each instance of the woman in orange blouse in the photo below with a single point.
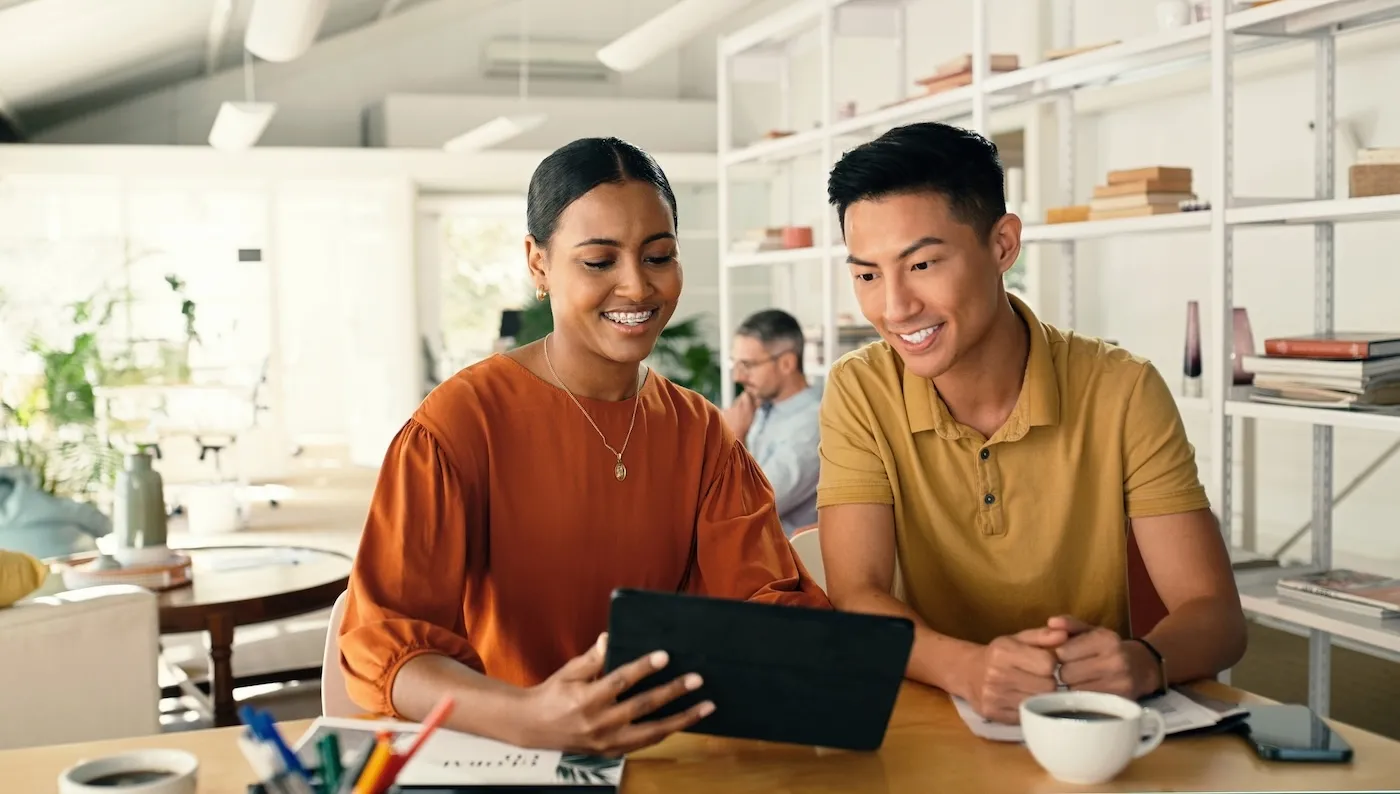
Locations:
(528, 486)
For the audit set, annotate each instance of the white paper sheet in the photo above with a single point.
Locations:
(450, 758)
(1180, 713)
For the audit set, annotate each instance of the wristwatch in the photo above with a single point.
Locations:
(1161, 668)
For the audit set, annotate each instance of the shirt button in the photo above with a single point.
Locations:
(986, 453)
(989, 499)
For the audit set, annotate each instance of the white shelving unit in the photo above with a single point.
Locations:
(1216, 45)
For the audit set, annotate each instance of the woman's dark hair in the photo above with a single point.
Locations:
(576, 168)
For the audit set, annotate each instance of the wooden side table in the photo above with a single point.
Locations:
(241, 585)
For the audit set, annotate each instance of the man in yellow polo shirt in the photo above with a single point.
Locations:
(996, 463)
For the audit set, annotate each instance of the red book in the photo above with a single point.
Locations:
(1350, 345)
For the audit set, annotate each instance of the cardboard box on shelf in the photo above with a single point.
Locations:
(1376, 173)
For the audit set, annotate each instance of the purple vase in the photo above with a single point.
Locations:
(1191, 370)
(1244, 346)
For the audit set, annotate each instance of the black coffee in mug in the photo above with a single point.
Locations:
(131, 777)
(1082, 714)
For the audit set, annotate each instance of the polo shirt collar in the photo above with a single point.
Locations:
(1037, 405)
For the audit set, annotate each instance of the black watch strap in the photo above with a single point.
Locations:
(1161, 667)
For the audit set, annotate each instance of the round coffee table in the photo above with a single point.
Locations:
(239, 585)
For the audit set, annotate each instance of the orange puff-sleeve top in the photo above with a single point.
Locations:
(498, 528)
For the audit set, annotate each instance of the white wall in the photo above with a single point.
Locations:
(349, 341)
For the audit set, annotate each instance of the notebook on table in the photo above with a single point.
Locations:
(451, 761)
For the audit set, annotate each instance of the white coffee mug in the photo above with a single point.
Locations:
(1086, 738)
(136, 772)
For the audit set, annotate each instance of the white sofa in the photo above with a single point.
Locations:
(78, 666)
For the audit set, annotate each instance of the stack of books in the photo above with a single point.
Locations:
(1358, 593)
(1132, 193)
(1349, 370)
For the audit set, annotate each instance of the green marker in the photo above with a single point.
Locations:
(331, 770)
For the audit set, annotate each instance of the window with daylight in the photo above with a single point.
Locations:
(482, 272)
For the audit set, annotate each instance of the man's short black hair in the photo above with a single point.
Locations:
(958, 164)
(775, 326)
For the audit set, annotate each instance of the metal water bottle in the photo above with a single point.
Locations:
(138, 512)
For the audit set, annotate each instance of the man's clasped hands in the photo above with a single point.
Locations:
(1066, 653)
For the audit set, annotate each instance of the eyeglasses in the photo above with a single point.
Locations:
(742, 365)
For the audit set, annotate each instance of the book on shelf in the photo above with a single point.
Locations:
(1308, 395)
(1143, 186)
(1133, 212)
(997, 62)
(1134, 200)
(957, 72)
(1070, 214)
(1299, 368)
(1357, 592)
(455, 761)
(1350, 345)
(1358, 384)
(1162, 173)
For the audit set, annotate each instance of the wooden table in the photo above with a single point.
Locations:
(241, 585)
(927, 748)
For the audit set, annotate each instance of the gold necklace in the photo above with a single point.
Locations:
(619, 470)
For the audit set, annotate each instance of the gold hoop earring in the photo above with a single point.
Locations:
(540, 294)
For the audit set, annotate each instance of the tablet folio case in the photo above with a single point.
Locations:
(776, 673)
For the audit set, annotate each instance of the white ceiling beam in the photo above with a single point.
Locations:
(666, 31)
(218, 31)
(390, 6)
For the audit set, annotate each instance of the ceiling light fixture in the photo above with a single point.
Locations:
(282, 30)
(497, 130)
(239, 124)
(666, 31)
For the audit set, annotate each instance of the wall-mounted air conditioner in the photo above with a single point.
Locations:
(549, 59)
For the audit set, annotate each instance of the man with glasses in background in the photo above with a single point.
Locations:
(778, 413)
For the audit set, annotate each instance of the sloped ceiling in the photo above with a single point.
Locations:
(60, 59)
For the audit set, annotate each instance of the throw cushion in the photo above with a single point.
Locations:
(20, 575)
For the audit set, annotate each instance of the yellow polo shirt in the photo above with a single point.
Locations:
(998, 535)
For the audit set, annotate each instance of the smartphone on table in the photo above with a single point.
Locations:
(1293, 733)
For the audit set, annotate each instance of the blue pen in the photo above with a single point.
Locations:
(261, 725)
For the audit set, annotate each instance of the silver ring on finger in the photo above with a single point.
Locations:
(1059, 682)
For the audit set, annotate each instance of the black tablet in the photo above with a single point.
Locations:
(777, 673)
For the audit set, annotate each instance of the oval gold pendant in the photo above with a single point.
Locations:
(620, 471)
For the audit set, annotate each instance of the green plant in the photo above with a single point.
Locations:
(70, 462)
(681, 352)
(186, 305)
(71, 369)
(51, 431)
